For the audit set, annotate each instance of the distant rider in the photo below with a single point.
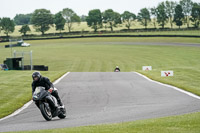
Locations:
(117, 69)
(39, 80)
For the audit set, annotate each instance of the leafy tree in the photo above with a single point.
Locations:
(144, 17)
(59, 21)
(128, 18)
(187, 9)
(71, 17)
(22, 19)
(0, 25)
(162, 17)
(24, 29)
(178, 16)
(111, 18)
(195, 15)
(42, 19)
(94, 19)
(170, 10)
(7, 25)
(153, 12)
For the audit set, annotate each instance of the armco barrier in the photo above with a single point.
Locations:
(100, 35)
(92, 36)
(135, 36)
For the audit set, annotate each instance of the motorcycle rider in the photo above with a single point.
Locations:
(39, 80)
(117, 69)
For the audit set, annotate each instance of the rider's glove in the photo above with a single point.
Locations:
(50, 90)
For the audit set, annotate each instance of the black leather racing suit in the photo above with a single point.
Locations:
(45, 82)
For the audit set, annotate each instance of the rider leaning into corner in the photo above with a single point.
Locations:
(39, 80)
(117, 69)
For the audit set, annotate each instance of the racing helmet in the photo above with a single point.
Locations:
(36, 76)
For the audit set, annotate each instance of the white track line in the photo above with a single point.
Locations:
(29, 103)
(173, 87)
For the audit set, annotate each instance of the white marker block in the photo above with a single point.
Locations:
(147, 68)
(167, 73)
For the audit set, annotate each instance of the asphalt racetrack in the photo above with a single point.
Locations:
(106, 97)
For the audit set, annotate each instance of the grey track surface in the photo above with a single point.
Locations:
(106, 97)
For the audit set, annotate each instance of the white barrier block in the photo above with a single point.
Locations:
(147, 68)
(167, 73)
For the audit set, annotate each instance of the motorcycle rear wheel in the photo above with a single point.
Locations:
(62, 115)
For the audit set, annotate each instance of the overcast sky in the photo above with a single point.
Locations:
(9, 8)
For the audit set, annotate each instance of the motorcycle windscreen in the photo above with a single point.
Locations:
(36, 94)
(38, 90)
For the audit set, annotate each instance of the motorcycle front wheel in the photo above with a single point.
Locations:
(46, 111)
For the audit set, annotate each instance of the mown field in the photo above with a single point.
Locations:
(102, 55)
(84, 27)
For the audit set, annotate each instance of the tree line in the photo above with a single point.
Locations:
(184, 12)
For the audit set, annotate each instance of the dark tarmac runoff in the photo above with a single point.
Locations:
(106, 97)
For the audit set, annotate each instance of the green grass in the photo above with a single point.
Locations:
(102, 55)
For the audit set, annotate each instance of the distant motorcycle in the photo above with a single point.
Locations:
(48, 104)
(117, 69)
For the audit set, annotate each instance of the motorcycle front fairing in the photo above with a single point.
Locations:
(39, 93)
(52, 101)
